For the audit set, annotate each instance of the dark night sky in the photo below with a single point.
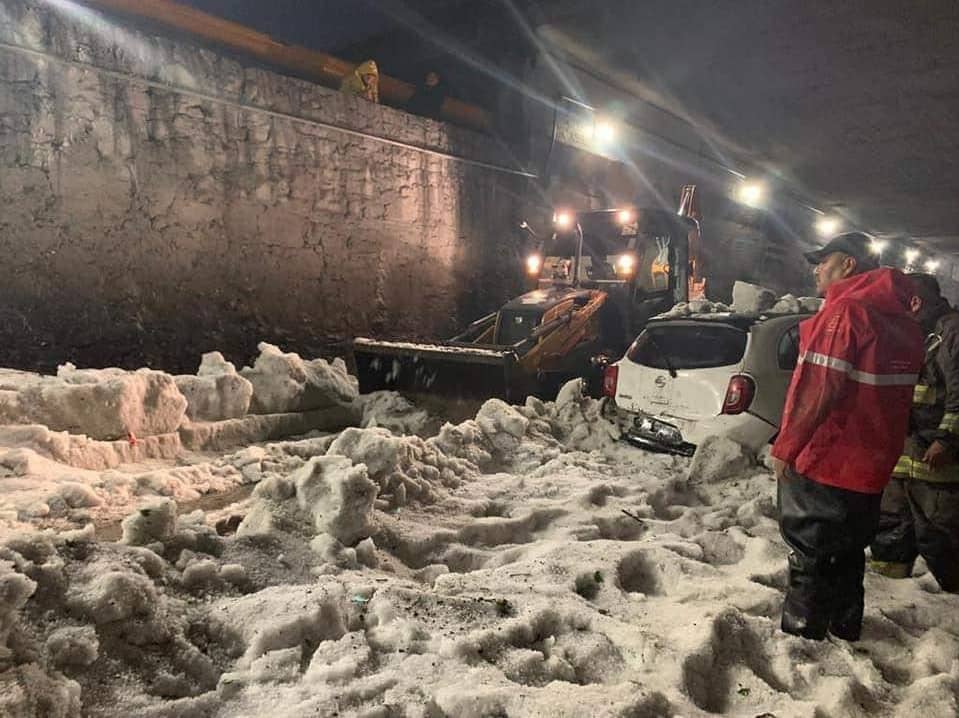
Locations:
(318, 24)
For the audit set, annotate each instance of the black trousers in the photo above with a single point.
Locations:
(919, 518)
(827, 530)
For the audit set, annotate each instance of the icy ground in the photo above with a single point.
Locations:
(519, 564)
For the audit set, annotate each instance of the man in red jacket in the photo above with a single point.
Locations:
(844, 424)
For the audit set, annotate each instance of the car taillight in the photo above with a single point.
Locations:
(610, 379)
(739, 394)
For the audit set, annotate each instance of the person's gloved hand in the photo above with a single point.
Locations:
(938, 455)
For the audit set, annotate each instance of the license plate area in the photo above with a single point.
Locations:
(655, 433)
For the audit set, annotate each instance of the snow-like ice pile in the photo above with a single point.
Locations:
(34, 488)
(100, 403)
(393, 411)
(91, 444)
(217, 392)
(748, 300)
(284, 382)
(521, 563)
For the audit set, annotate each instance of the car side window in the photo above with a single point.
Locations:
(788, 353)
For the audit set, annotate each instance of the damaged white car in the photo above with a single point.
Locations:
(718, 374)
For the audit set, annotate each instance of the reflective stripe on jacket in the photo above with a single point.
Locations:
(935, 404)
(847, 409)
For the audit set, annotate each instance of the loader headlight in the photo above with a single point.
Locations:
(534, 263)
(625, 264)
(625, 216)
(563, 220)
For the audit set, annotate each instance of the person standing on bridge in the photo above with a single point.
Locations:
(844, 423)
(364, 82)
(429, 97)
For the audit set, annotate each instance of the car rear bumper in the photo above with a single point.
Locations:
(681, 436)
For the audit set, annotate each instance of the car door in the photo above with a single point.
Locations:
(771, 361)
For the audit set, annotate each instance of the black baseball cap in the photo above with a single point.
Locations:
(857, 245)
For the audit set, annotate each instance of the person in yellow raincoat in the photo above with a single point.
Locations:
(364, 81)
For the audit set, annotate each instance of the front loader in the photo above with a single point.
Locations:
(600, 276)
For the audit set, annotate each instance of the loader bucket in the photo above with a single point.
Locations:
(451, 369)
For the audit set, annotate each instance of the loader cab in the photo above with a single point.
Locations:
(640, 257)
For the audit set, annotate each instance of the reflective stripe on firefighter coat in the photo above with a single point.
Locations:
(935, 404)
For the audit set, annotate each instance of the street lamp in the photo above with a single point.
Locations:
(751, 193)
(827, 226)
(605, 131)
(912, 255)
(932, 265)
(876, 247)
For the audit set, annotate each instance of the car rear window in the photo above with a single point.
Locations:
(688, 346)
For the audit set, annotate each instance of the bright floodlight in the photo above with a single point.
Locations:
(625, 264)
(827, 226)
(877, 246)
(912, 255)
(534, 263)
(751, 193)
(625, 216)
(605, 131)
(932, 265)
(563, 220)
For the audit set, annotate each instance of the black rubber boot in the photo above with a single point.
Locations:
(806, 610)
(894, 547)
(848, 599)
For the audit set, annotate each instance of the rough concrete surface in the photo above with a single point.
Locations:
(143, 223)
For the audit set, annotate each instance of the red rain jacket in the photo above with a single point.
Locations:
(847, 410)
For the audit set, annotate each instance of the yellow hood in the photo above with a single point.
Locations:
(367, 68)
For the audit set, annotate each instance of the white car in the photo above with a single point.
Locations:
(717, 374)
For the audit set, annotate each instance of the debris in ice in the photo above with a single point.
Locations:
(83, 452)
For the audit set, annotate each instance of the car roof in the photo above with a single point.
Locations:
(740, 321)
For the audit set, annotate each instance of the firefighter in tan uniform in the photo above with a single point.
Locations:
(920, 506)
